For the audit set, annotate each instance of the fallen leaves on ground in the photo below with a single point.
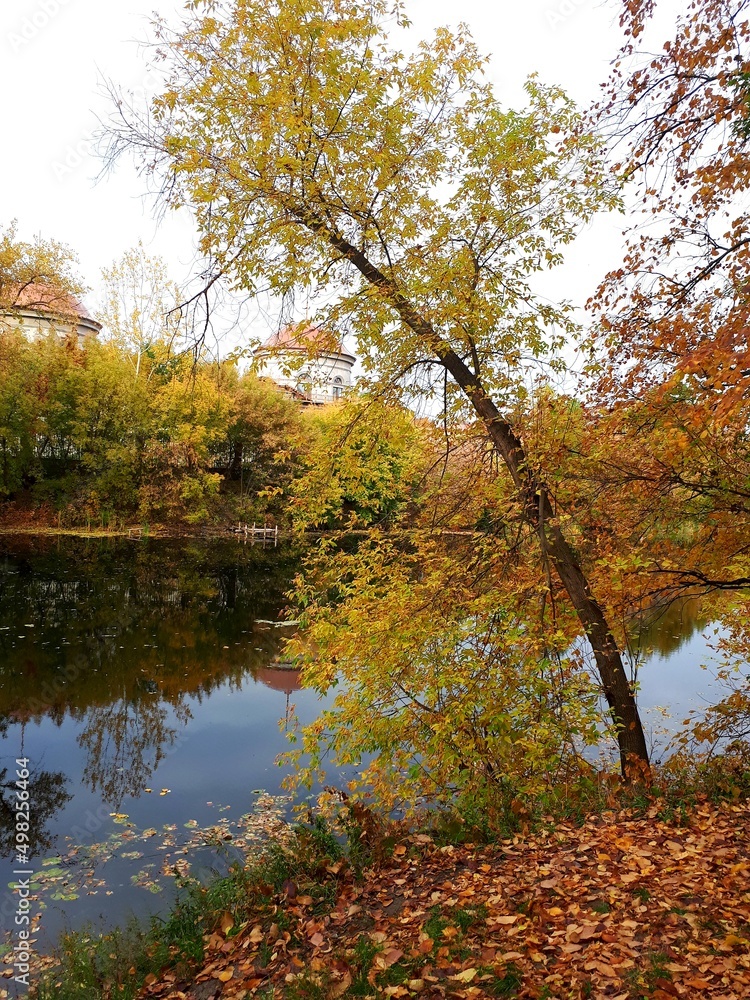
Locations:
(620, 907)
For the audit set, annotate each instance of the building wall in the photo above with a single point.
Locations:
(35, 325)
(321, 379)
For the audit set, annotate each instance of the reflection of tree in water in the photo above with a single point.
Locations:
(47, 794)
(123, 635)
(125, 742)
(665, 630)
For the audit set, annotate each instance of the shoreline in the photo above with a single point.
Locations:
(627, 902)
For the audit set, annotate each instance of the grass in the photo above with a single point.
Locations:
(509, 983)
(115, 965)
(642, 982)
(363, 958)
(309, 986)
(435, 925)
(466, 918)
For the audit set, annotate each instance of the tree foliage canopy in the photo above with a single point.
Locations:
(316, 154)
(41, 272)
(674, 315)
(301, 135)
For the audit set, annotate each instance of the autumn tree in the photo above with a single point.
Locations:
(671, 358)
(139, 303)
(263, 443)
(18, 412)
(38, 274)
(316, 154)
(679, 123)
(363, 465)
(449, 689)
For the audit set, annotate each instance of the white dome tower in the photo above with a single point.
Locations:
(39, 310)
(323, 377)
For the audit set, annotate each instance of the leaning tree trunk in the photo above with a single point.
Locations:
(537, 509)
(538, 512)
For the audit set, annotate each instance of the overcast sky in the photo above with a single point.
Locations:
(55, 53)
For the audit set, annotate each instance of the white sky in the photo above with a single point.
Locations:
(54, 53)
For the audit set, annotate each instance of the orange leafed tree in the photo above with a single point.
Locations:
(675, 314)
(672, 348)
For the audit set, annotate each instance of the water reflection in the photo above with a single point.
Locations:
(124, 640)
(666, 629)
(49, 795)
(125, 742)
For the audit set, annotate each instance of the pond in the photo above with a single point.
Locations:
(142, 681)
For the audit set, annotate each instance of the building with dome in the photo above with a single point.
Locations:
(39, 310)
(308, 363)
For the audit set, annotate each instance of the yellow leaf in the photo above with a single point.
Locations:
(465, 977)
(338, 989)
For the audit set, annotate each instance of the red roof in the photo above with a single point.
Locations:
(280, 678)
(307, 338)
(43, 298)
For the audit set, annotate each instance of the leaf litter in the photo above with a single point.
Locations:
(622, 907)
(625, 906)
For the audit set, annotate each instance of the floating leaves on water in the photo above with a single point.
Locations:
(82, 868)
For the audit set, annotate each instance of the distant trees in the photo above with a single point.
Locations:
(127, 425)
(140, 304)
(106, 432)
(28, 270)
(364, 465)
(670, 346)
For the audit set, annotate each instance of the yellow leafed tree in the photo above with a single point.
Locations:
(317, 154)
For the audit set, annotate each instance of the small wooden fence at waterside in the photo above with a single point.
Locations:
(263, 533)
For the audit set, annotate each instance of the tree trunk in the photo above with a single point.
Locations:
(538, 513)
(535, 502)
(235, 463)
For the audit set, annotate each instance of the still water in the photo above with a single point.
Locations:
(142, 681)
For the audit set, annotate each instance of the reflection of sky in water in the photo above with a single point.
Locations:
(139, 673)
(181, 667)
(678, 684)
(224, 753)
